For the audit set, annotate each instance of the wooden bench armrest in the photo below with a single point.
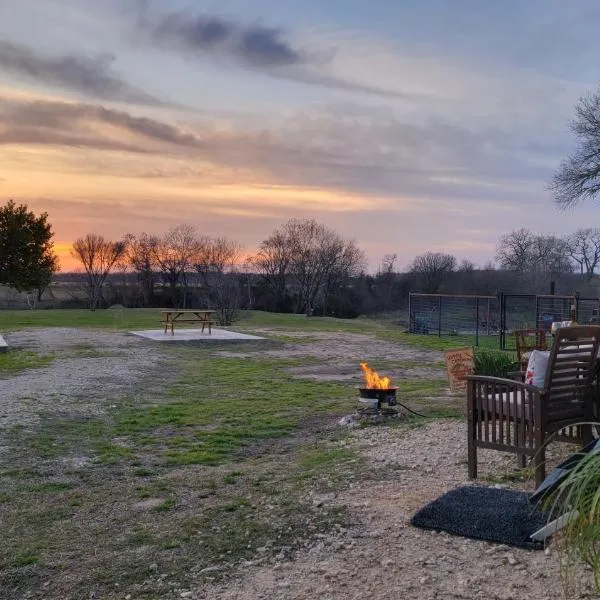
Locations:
(512, 383)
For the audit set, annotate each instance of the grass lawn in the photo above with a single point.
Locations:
(149, 318)
(173, 483)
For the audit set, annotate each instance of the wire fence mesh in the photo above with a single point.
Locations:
(454, 315)
(491, 320)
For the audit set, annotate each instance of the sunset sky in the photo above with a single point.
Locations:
(406, 125)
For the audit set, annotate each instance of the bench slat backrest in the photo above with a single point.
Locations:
(571, 369)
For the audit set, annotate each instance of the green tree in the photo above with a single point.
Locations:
(27, 259)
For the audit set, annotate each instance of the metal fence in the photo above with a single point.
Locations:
(446, 315)
(495, 316)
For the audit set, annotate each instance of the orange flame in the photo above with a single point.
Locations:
(373, 380)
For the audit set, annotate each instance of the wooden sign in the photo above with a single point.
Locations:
(460, 363)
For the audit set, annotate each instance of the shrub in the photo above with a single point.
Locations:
(494, 363)
(579, 496)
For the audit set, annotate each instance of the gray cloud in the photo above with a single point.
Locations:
(91, 76)
(357, 152)
(253, 45)
(64, 123)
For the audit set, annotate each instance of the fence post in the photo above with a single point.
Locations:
(477, 321)
(576, 315)
(502, 319)
(537, 311)
(410, 319)
(440, 317)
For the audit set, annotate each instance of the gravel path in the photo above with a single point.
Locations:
(90, 368)
(382, 557)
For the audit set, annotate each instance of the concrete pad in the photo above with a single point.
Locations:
(3, 345)
(193, 335)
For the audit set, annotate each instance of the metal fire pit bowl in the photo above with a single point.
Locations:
(375, 396)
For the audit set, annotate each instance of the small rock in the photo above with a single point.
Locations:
(512, 561)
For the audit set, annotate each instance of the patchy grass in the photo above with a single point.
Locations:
(213, 416)
(519, 475)
(148, 318)
(181, 477)
(433, 342)
(15, 360)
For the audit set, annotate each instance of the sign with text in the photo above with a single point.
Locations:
(460, 363)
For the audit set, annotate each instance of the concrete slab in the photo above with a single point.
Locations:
(194, 335)
(3, 345)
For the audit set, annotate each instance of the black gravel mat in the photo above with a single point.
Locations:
(483, 513)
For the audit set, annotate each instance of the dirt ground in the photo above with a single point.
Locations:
(378, 555)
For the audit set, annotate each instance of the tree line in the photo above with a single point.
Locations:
(302, 267)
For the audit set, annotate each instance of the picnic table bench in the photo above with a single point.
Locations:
(202, 317)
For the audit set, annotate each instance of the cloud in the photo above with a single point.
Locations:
(71, 124)
(256, 47)
(253, 45)
(91, 76)
(370, 153)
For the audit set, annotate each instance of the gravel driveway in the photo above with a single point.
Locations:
(89, 369)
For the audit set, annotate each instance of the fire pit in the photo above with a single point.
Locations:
(378, 391)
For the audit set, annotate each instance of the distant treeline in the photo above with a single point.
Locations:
(302, 267)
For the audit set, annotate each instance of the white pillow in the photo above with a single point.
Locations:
(536, 368)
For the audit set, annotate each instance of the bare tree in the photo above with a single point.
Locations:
(98, 256)
(524, 251)
(549, 255)
(217, 256)
(346, 264)
(466, 266)
(583, 247)
(432, 268)
(385, 283)
(302, 260)
(141, 257)
(578, 177)
(273, 263)
(175, 254)
(388, 264)
(514, 250)
(316, 254)
(217, 266)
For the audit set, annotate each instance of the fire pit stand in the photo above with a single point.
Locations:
(372, 400)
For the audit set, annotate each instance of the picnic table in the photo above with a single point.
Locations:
(202, 317)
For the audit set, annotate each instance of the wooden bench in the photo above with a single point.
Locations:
(199, 317)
